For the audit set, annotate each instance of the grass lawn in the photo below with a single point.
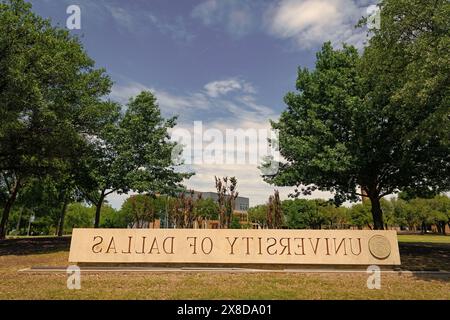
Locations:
(430, 238)
(20, 253)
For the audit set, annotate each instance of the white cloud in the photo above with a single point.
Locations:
(244, 113)
(167, 101)
(250, 183)
(138, 21)
(307, 23)
(175, 28)
(205, 11)
(216, 88)
(312, 22)
(250, 101)
(214, 96)
(240, 21)
(236, 16)
(222, 87)
(182, 103)
(123, 93)
(121, 16)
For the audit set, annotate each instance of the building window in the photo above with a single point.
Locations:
(243, 207)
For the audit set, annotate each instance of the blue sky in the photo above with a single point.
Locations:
(227, 63)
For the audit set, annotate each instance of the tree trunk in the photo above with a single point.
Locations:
(98, 209)
(61, 218)
(7, 209)
(19, 220)
(443, 228)
(377, 213)
(438, 228)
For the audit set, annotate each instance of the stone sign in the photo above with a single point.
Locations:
(228, 246)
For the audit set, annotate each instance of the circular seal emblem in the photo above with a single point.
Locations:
(379, 247)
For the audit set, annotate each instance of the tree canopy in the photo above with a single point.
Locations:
(50, 97)
(133, 152)
(57, 123)
(377, 123)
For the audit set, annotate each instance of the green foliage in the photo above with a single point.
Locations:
(227, 194)
(182, 213)
(145, 149)
(235, 224)
(315, 130)
(133, 153)
(379, 121)
(141, 210)
(360, 216)
(50, 99)
(431, 211)
(274, 211)
(112, 218)
(335, 217)
(78, 215)
(406, 68)
(415, 214)
(43, 199)
(388, 212)
(258, 214)
(206, 209)
(303, 214)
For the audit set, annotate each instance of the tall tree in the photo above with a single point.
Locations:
(183, 214)
(274, 211)
(360, 215)
(226, 198)
(379, 122)
(205, 209)
(258, 215)
(303, 213)
(49, 93)
(277, 210)
(406, 69)
(142, 209)
(133, 152)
